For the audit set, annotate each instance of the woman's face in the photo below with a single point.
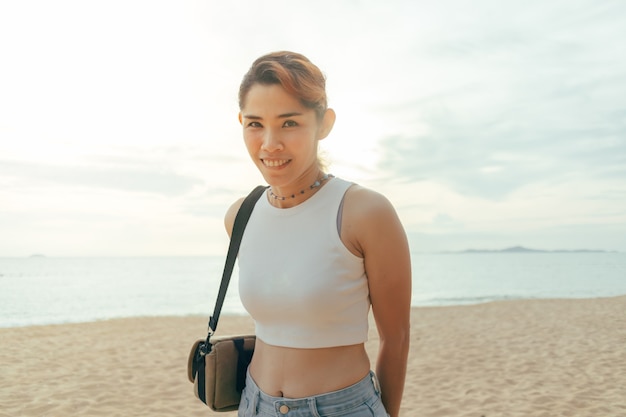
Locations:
(281, 135)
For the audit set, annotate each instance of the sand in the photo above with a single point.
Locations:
(514, 358)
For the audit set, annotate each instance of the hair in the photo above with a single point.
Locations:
(294, 72)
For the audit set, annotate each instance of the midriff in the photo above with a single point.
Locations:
(296, 373)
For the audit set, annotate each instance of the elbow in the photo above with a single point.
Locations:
(398, 341)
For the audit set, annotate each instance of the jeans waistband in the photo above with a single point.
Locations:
(328, 403)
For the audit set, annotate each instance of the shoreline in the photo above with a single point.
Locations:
(540, 357)
(468, 302)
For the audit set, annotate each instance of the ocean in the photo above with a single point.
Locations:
(41, 290)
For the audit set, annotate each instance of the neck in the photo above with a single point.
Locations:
(298, 195)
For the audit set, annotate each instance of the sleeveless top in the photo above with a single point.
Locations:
(300, 284)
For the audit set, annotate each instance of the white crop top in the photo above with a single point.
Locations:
(300, 284)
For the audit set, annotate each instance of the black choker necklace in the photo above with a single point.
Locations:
(316, 184)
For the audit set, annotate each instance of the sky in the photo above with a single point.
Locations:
(488, 124)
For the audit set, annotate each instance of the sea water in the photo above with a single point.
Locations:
(43, 290)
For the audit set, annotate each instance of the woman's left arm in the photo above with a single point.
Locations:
(384, 246)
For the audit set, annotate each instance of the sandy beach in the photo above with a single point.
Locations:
(514, 358)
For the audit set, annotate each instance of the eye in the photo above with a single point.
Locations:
(290, 123)
(254, 124)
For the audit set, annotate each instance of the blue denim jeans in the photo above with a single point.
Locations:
(361, 399)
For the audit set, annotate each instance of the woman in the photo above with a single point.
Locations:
(317, 252)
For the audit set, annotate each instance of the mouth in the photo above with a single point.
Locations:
(275, 163)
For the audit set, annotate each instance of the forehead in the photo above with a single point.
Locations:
(271, 100)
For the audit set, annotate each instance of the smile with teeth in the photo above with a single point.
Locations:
(274, 162)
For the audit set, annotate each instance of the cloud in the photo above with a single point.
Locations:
(521, 106)
(499, 117)
(148, 179)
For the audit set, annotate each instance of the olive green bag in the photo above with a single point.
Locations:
(217, 367)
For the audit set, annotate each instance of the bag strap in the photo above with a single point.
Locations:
(233, 248)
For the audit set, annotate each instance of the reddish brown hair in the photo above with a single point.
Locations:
(294, 72)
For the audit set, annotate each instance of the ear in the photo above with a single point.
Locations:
(240, 117)
(328, 121)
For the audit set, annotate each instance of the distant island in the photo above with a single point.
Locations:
(521, 249)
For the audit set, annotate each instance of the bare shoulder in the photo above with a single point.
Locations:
(231, 213)
(367, 217)
(364, 204)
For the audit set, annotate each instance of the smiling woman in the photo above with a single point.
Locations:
(327, 249)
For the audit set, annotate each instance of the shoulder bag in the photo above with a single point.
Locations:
(217, 367)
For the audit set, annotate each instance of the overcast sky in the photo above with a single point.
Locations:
(487, 123)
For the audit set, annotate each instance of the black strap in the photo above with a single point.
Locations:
(243, 360)
(233, 248)
(200, 373)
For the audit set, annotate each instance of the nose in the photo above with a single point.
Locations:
(271, 141)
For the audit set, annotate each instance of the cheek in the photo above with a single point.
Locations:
(251, 139)
(301, 139)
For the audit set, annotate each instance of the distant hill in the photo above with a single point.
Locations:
(521, 249)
